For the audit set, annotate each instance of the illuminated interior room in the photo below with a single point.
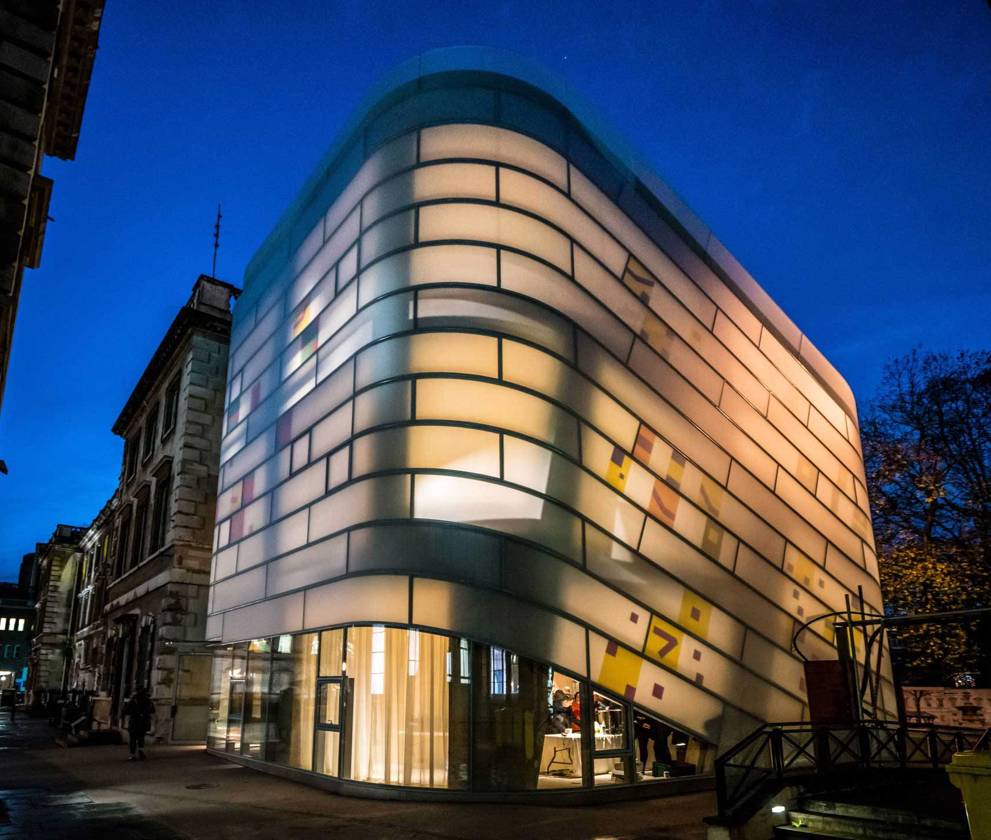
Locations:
(526, 484)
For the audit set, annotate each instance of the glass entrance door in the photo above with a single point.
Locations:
(327, 734)
(612, 757)
(235, 716)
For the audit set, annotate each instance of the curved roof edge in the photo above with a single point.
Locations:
(614, 147)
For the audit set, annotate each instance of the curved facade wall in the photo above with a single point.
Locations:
(475, 392)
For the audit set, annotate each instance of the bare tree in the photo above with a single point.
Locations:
(927, 447)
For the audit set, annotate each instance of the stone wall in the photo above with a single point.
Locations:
(948, 706)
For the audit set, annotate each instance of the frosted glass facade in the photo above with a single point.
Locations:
(482, 399)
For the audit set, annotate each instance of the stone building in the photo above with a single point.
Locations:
(47, 49)
(88, 632)
(16, 627)
(54, 580)
(151, 577)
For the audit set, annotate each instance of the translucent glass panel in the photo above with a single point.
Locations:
(358, 599)
(389, 234)
(521, 190)
(721, 587)
(323, 261)
(386, 497)
(534, 369)
(628, 675)
(496, 312)
(390, 315)
(768, 438)
(608, 215)
(300, 490)
(481, 223)
(797, 373)
(426, 353)
(680, 394)
(282, 536)
(789, 524)
(490, 143)
(495, 506)
(389, 403)
(447, 180)
(534, 279)
(316, 562)
(550, 474)
(434, 264)
(497, 406)
(428, 447)
(646, 582)
(558, 584)
(811, 447)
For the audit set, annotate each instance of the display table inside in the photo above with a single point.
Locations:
(562, 754)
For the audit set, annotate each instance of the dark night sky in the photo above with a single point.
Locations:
(841, 150)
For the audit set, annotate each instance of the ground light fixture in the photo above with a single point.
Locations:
(777, 809)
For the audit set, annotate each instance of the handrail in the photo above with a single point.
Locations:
(780, 753)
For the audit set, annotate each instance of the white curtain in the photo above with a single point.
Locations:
(304, 687)
(400, 714)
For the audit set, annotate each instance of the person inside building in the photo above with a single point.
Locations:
(560, 721)
(139, 711)
(652, 731)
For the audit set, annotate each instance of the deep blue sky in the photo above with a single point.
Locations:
(841, 150)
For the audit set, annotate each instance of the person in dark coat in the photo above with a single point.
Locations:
(138, 711)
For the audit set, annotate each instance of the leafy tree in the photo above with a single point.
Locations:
(927, 448)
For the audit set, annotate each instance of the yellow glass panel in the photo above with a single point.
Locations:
(695, 614)
(664, 642)
(619, 670)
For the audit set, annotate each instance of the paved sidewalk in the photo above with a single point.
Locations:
(181, 793)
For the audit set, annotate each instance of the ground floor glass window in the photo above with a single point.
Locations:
(404, 707)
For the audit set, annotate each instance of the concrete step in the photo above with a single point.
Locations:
(870, 827)
(892, 816)
(791, 832)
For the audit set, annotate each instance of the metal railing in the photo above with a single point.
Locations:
(783, 753)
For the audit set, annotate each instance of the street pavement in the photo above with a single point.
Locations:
(181, 793)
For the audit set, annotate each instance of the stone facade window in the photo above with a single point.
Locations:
(151, 433)
(160, 512)
(131, 456)
(140, 529)
(171, 412)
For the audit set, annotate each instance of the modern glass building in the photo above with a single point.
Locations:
(526, 484)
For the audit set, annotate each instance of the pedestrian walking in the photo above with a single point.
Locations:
(138, 711)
